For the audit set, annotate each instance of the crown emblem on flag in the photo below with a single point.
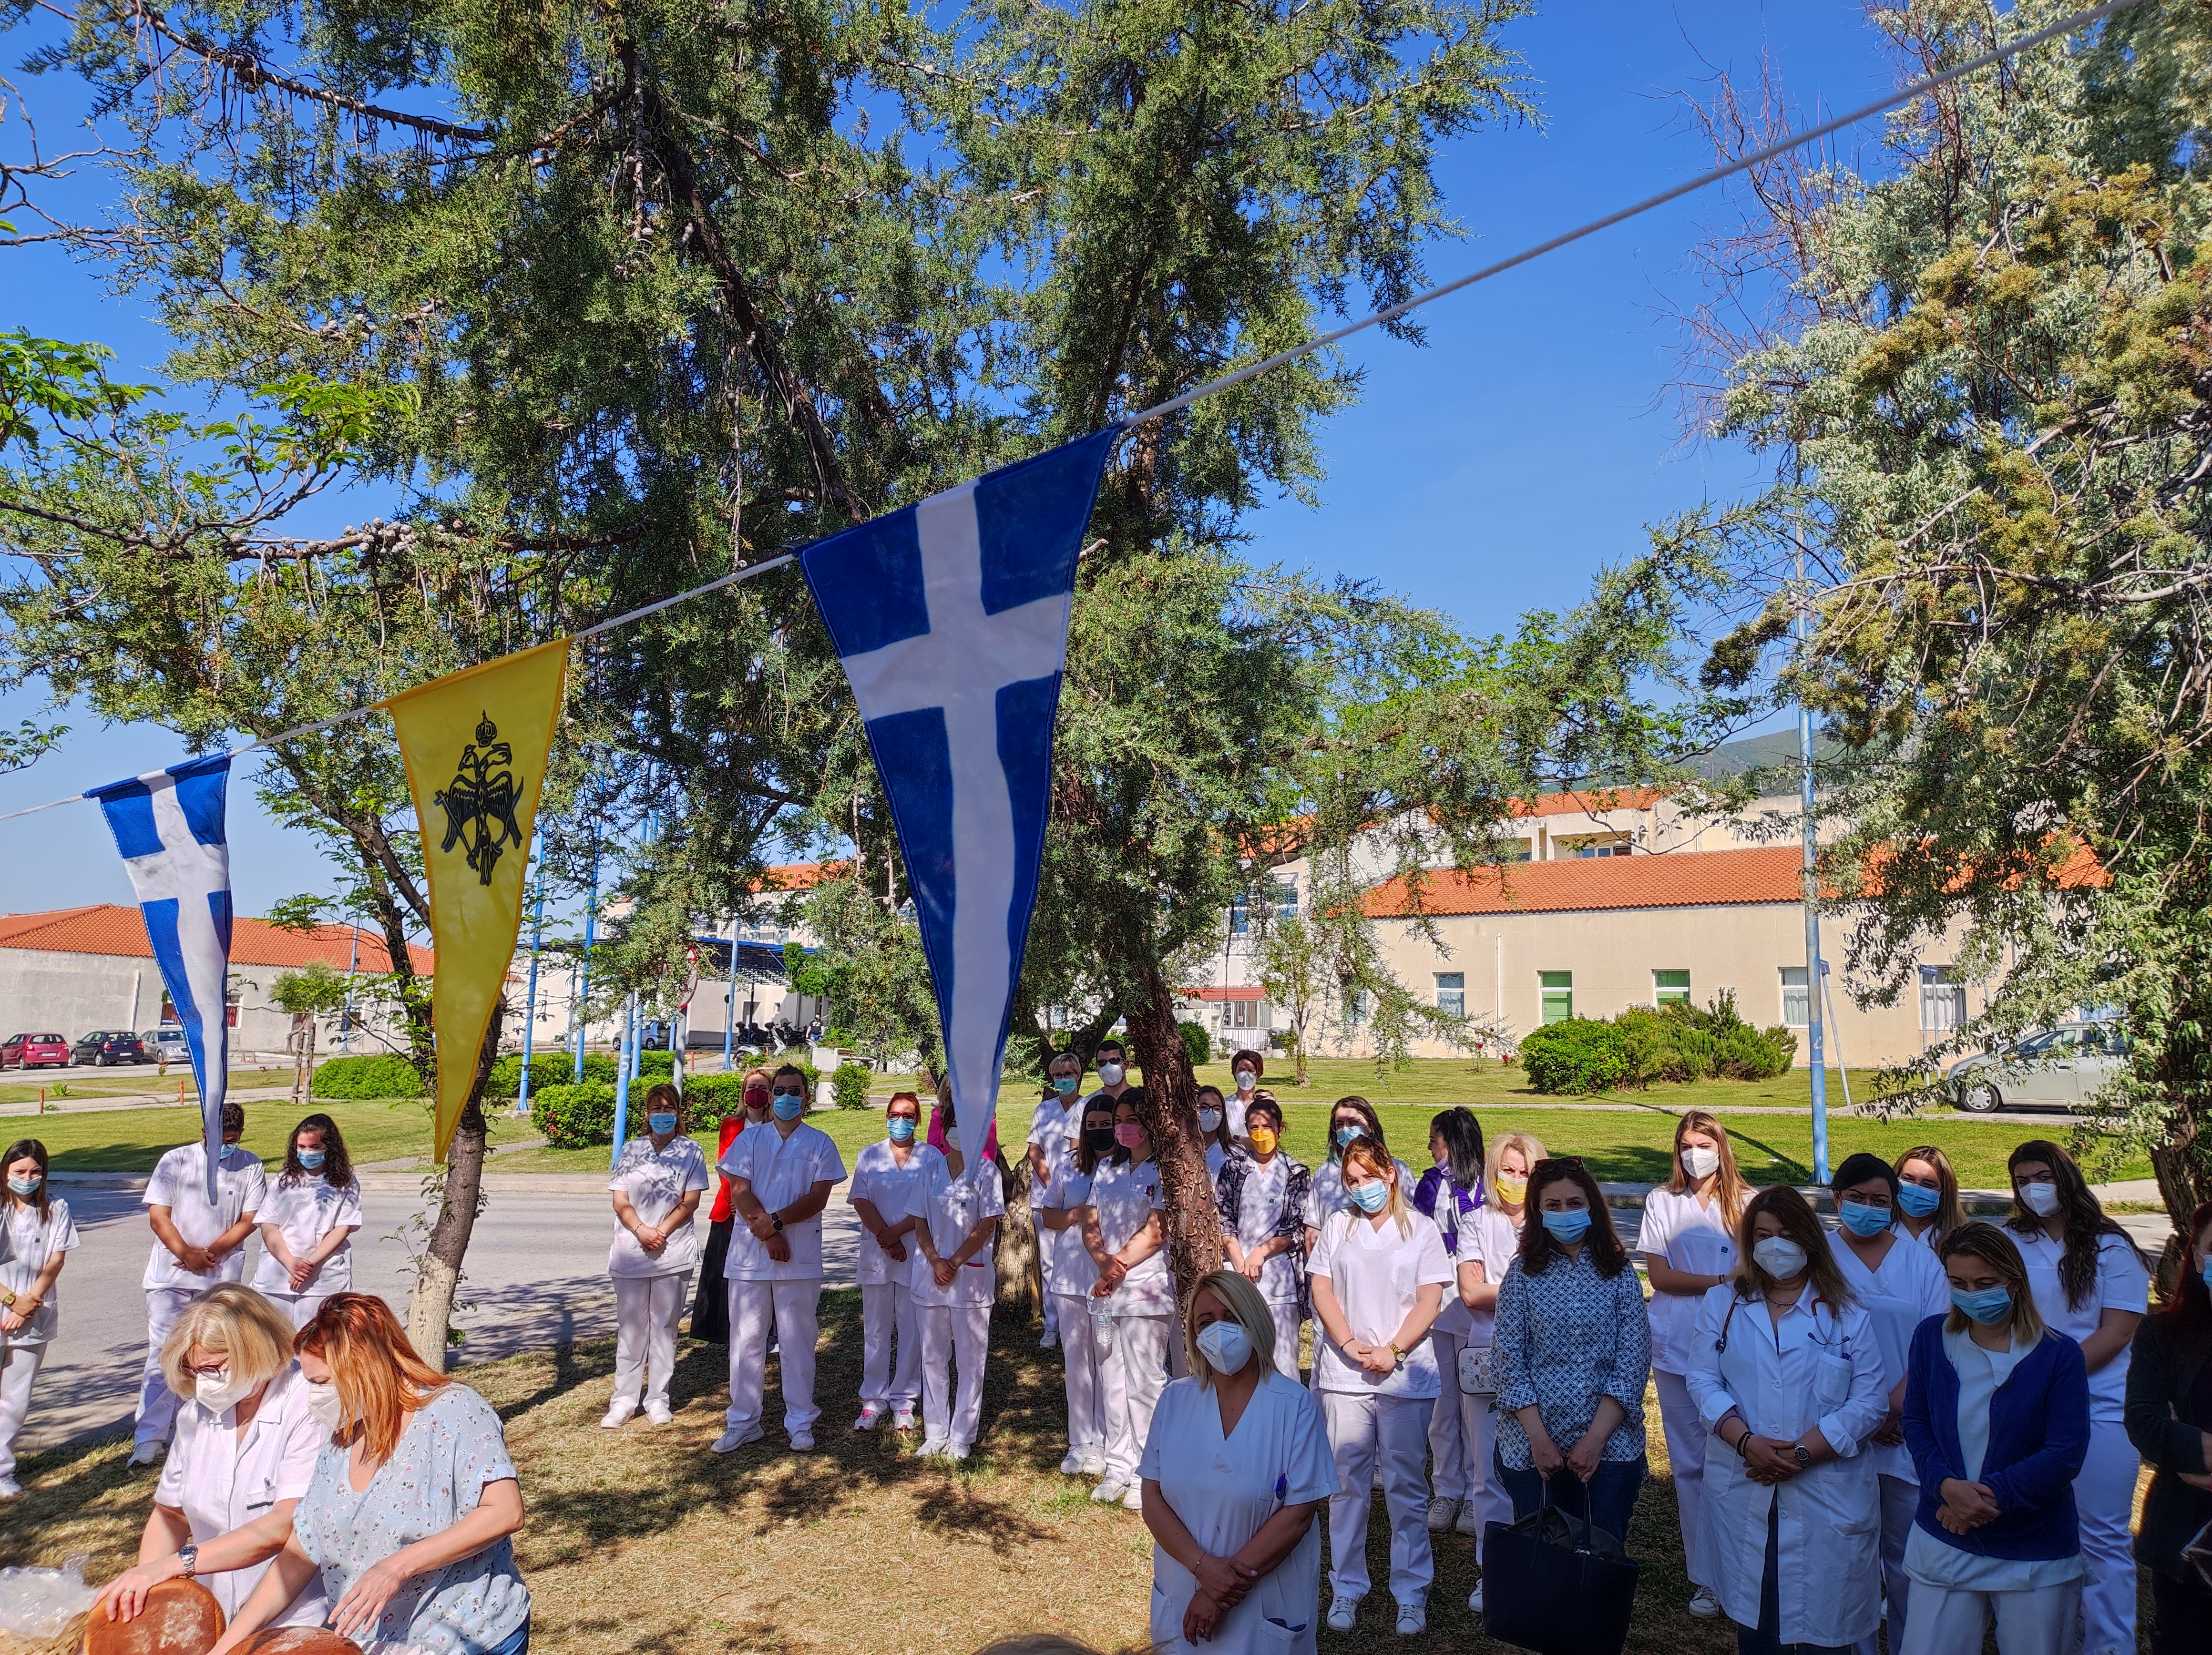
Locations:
(480, 801)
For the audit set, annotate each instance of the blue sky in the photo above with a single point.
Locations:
(1492, 473)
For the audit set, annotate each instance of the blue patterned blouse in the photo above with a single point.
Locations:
(1564, 1340)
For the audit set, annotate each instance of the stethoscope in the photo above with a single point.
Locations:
(1836, 1336)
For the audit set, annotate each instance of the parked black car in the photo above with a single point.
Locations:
(104, 1047)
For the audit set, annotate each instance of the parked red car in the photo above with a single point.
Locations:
(34, 1051)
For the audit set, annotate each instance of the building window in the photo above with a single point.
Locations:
(1796, 1007)
(1559, 991)
(1451, 993)
(1240, 917)
(1285, 895)
(1943, 999)
(1513, 850)
(1241, 1014)
(1670, 988)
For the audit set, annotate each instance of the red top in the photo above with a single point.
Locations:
(723, 1212)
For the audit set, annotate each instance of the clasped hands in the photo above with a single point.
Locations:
(1378, 1360)
(1583, 1459)
(1966, 1506)
(763, 1228)
(1222, 1585)
(1110, 1277)
(18, 1315)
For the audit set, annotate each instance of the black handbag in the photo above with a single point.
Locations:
(1554, 1584)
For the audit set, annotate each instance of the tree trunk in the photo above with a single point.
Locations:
(1014, 1249)
(1194, 1220)
(438, 1272)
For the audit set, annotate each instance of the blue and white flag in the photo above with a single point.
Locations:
(951, 617)
(168, 824)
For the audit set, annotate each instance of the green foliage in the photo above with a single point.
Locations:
(1197, 1042)
(1580, 1054)
(1645, 1045)
(44, 382)
(546, 1068)
(314, 989)
(573, 1116)
(710, 1097)
(376, 1075)
(849, 1084)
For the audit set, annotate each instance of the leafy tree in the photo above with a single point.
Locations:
(314, 991)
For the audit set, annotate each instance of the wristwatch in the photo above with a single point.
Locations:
(1804, 1454)
(188, 1559)
(775, 1222)
(1398, 1356)
(8, 1299)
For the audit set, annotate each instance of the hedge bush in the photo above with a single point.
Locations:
(1677, 1042)
(849, 1084)
(374, 1074)
(1579, 1055)
(546, 1068)
(710, 1097)
(1197, 1042)
(573, 1116)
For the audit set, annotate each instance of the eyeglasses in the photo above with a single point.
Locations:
(781, 1092)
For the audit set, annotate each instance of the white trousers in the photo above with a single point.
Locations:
(794, 1308)
(1452, 1471)
(1082, 1352)
(1285, 1317)
(952, 1334)
(2045, 1622)
(1900, 1503)
(1687, 1435)
(1045, 1238)
(1133, 1373)
(646, 1311)
(889, 1381)
(2105, 1498)
(1491, 1503)
(157, 1403)
(19, 1366)
(1391, 1432)
(301, 1307)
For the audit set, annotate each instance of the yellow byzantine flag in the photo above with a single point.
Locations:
(476, 745)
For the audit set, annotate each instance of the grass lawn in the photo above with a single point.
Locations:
(132, 1140)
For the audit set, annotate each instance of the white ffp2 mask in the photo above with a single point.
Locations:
(1779, 1257)
(1225, 1346)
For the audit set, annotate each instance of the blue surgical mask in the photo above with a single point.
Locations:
(1345, 1135)
(312, 1159)
(25, 1187)
(1985, 1305)
(1065, 1084)
(660, 1124)
(1919, 1199)
(901, 1128)
(1569, 1227)
(788, 1106)
(1371, 1197)
(1862, 1219)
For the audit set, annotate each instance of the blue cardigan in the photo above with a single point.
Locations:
(2038, 1437)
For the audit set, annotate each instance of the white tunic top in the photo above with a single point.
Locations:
(2121, 1283)
(782, 1169)
(1267, 1186)
(1377, 1271)
(1325, 1191)
(656, 1182)
(1224, 1489)
(880, 1180)
(951, 1205)
(1124, 1195)
(221, 1478)
(304, 1213)
(1904, 1291)
(1690, 1237)
(27, 1243)
(1074, 1271)
(180, 1183)
(1053, 1129)
(1487, 1238)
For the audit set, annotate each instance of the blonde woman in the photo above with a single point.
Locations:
(1687, 1240)
(1378, 1280)
(1928, 1207)
(1236, 1550)
(1487, 1241)
(245, 1453)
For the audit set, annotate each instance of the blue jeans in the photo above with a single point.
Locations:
(1608, 1500)
(1766, 1638)
(518, 1642)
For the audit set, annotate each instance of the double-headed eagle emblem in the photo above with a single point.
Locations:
(480, 801)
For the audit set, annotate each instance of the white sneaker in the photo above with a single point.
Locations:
(871, 1417)
(657, 1413)
(1051, 1340)
(1134, 1500)
(903, 1418)
(1094, 1463)
(1442, 1511)
(1342, 1612)
(956, 1451)
(802, 1442)
(10, 1488)
(931, 1449)
(730, 1441)
(1110, 1490)
(618, 1415)
(149, 1454)
(1073, 1466)
(1412, 1620)
(1704, 1604)
(1474, 1600)
(1469, 1521)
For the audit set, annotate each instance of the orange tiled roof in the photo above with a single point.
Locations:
(1677, 879)
(797, 875)
(107, 928)
(1589, 801)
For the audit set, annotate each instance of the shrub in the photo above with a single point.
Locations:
(850, 1085)
(574, 1116)
(546, 1068)
(1676, 1042)
(1197, 1042)
(1578, 1055)
(374, 1074)
(707, 1098)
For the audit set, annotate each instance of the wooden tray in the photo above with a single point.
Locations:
(181, 1617)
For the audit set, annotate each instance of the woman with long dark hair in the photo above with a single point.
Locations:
(36, 1233)
(1349, 1118)
(308, 1220)
(1450, 1192)
(2169, 1420)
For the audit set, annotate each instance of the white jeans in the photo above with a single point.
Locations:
(19, 1366)
(1287, 1323)
(1687, 1434)
(794, 1308)
(301, 1307)
(2045, 1622)
(1452, 1472)
(1901, 1504)
(2104, 1497)
(889, 1381)
(951, 1334)
(1491, 1503)
(1364, 1430)
(157, 1403)
(1133, 1373)
(1082, 1353)
(646, 1311)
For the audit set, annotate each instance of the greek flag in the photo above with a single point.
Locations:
(951, 617)
(168, 824)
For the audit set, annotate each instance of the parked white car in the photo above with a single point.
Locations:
(2062, 1067)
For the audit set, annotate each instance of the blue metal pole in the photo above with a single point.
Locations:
(730, 1008)
(530, 1000)
(1809, 837)
(353, 965)
(584, 978)
(626, 1039)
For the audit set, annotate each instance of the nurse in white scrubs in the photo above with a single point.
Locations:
(1787, 1375)
(1213, 1126)
(657, 1183)
(1262, 1196)
(36, 1235)
(882, 1175)
(1234, 1474)
(307, 1222)
(953, 1281)
(1059, 1206)
(1487, 1243)
(245, 1452)
(1928, 1207)
(1123, 1233)
(1899, 1285)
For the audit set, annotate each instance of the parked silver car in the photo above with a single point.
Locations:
(2062, 1067)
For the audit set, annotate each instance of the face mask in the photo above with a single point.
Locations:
(901, 1129)
(26, 1186)
(1862, 1219)
(1247, 1080)
(1109, 1073)
(2039, 1198)
(1443, 1162)
(1371, 1197)
(2206, 1273)
(1209, 1121)
(660, 1125)
(1919, 1199)
(1263, 1139)
(952, 1137)
(1779, 1257)
(1064, 1084)
(1098, 1139)
(1225, 1346)
(1345, 1134)
(323, 1403)
(1984, 1304)
(1700, 1162)
(1128, 1133)
(788, 1106)
(217, 1392)
(756, 1098)
(1568, 1226)
(311, 1159)
(1512, 1191)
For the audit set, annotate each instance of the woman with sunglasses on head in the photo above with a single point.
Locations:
(1687, 1239)
(2091, 1285)
(1262, 1196)
(655, 1188)
(2169, 1414)
(883, 1174)
(1127, 1240)
(1928, 1207)
(36, 1236)
(1349, 1118)
(1488, 1243)
(1083, 1338)
(1786, 1374)
(307, 1222)
(710, 1307)
(1450, 1194)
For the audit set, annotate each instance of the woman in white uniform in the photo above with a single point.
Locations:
(1378, 1280)
(36, 1235)
(1928, 1207)
(1688, 1242)
(1127, 1241)
(953, 1281)
(307, 1222)
(1450, 1194)
(1059, 1206)
(1787, 1375)
(1262, 1196)
(1899, 1285)
(1213, 1126)
(657, 1183)
(244, 1452)
(1487, 1243)
(1349, 1118)
(2091, 1285)
(1235, 1470)
(882, 1173)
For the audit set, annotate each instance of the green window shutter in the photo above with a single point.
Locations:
(1558, 987)
(1670, 988)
